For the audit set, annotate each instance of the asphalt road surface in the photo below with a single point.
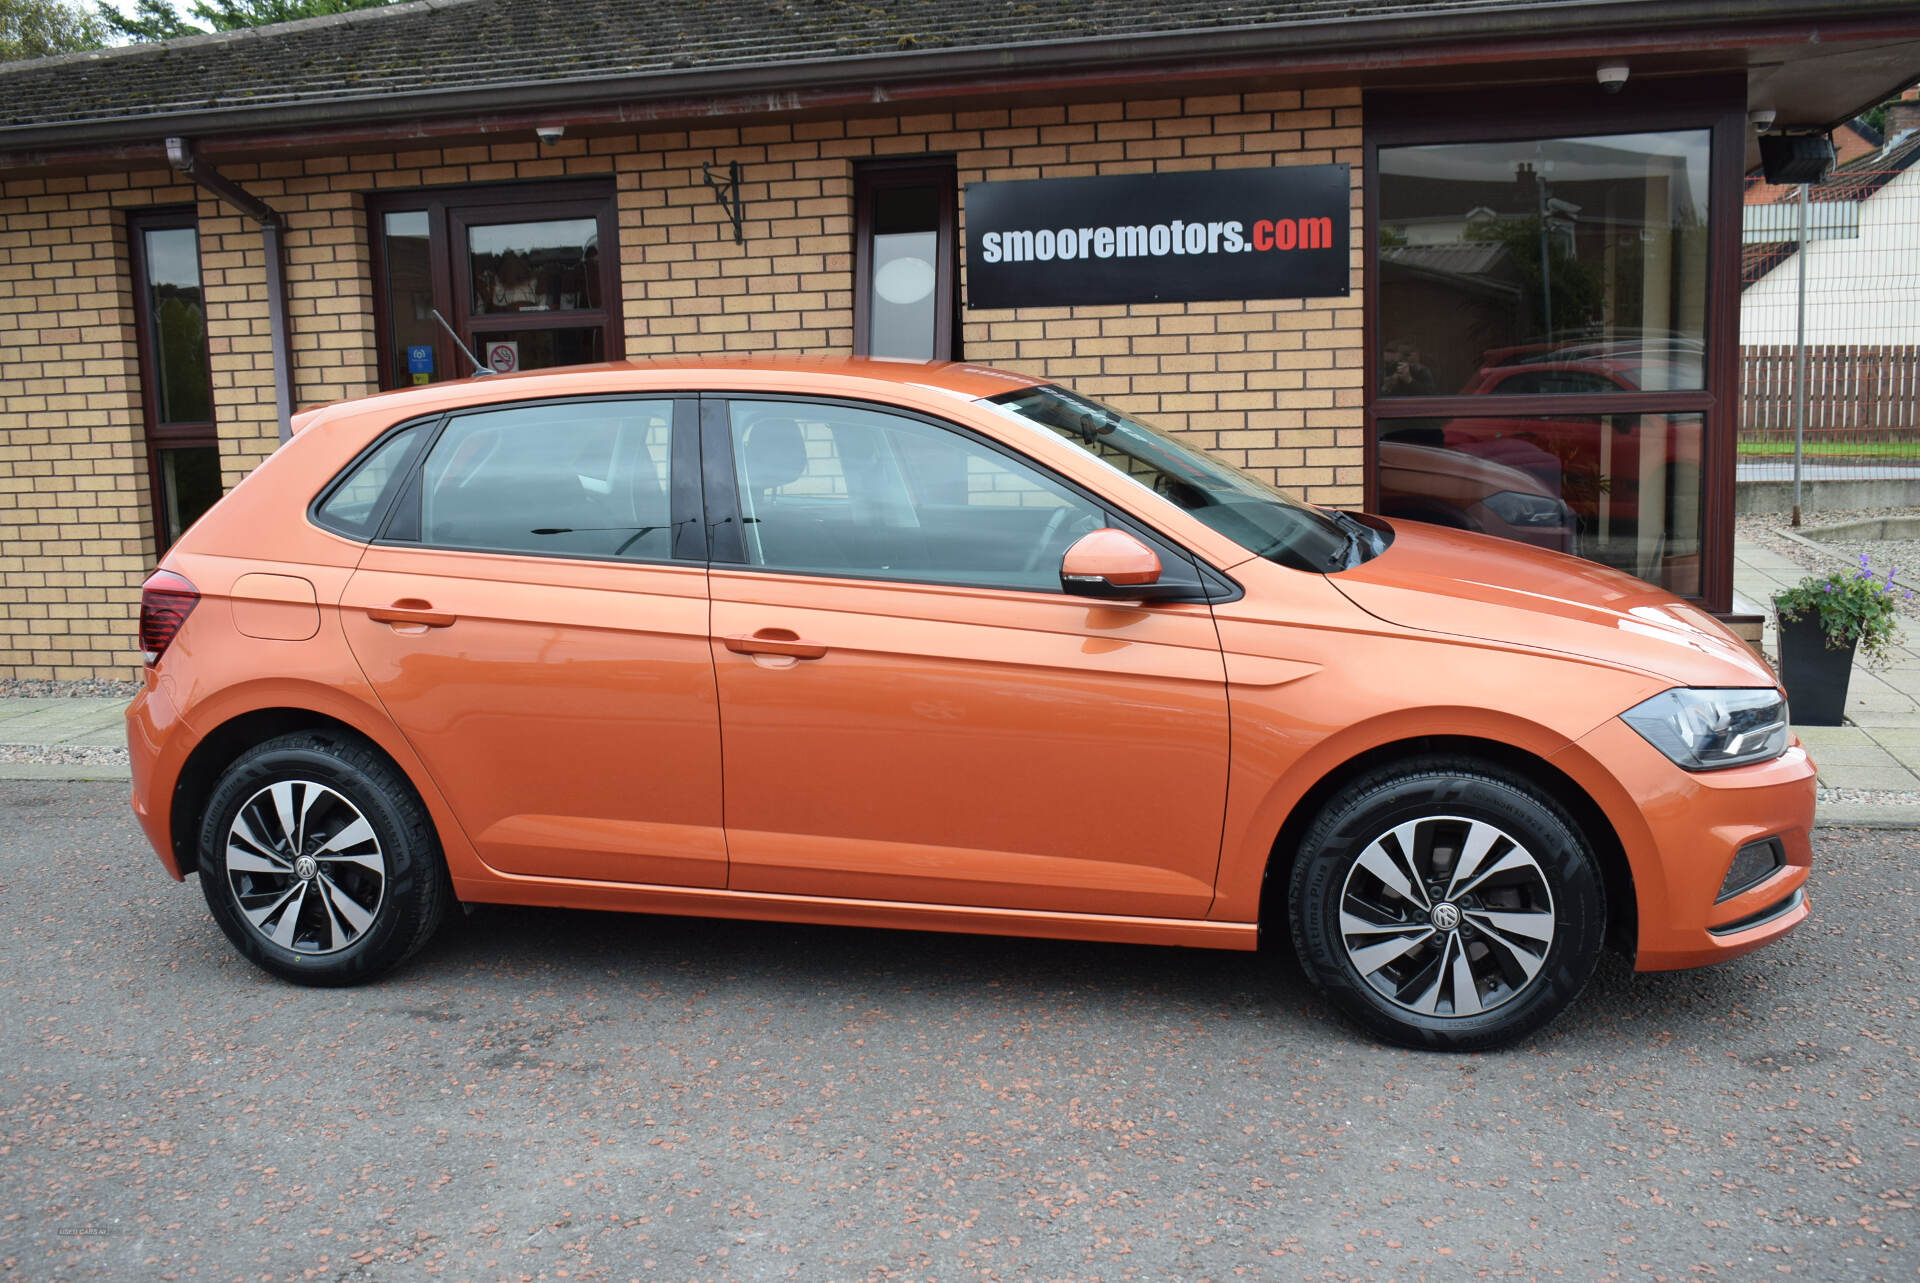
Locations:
(592, 1096)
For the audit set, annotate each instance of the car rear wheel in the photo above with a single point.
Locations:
(1447, 906)
(319, 861)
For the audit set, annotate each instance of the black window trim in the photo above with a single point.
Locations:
(723, 517)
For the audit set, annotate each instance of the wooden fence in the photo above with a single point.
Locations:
(1858, 394)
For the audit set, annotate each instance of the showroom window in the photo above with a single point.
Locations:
(1542, 319)
(528, 276)
(176, 382)
(906, 261)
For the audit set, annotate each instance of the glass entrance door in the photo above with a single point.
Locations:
(528, 277)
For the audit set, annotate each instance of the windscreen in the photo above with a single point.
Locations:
(1246, 510)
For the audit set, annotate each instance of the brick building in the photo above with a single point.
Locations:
(201, 237)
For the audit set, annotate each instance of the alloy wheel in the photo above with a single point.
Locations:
(305, 867)
(1446, 916)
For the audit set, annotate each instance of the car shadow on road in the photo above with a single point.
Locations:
(680, 950)
(515, 947)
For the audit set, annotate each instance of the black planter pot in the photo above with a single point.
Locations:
(1814, 673)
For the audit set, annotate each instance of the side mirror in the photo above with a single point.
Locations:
(1112, 565)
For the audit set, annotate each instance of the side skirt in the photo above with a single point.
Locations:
(703, 902)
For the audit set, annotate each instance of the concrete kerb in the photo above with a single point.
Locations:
(67, 772)
(1865, 815)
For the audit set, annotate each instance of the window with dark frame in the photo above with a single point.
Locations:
(527, 275)
(906, 260)
(176, 380)
(1543, 289)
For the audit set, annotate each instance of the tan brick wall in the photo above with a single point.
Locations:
(1275, 386)
(75, 519)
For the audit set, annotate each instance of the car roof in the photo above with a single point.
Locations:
(692, 373)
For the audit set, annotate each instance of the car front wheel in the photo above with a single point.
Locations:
(319, 861)
(1447, 906)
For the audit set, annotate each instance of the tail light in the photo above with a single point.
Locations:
(166, 599)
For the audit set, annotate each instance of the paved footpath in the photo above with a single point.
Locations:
(1879, 751)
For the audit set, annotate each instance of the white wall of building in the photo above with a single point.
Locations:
(1860, 291)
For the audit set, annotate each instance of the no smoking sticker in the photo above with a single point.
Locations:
(503, 355)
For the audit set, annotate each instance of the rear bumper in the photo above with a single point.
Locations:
(158, 742)
(1682, 830)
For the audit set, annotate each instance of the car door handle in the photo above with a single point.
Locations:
(410, 610)
(774, 641)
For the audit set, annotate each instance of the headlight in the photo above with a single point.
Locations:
(1518, 509)
(1705, 730)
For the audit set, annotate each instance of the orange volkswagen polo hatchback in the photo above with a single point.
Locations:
(943, 647)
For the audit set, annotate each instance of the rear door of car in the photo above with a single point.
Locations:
(912, 710)
(534, 618)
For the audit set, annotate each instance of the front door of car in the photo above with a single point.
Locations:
(912, 710)
(535, 621)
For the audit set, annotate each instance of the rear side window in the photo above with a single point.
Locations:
(586, 479)
(355, 505)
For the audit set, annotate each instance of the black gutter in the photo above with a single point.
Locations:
(273, 228)
(1360, 37)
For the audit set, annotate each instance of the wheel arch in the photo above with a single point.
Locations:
(1616, 872)
(222, 746)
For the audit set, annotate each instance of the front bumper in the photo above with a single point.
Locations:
(1682, 830)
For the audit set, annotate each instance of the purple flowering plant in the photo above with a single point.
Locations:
(1854, 608)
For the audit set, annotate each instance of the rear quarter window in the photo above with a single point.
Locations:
(357, 500)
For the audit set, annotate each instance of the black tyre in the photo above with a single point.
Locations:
(1447, 906)
(319, 860)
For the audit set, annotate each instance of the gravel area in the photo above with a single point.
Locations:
(543, 1095)
(1870, 797)
(1766, 529)
(40, 688)
(63, 754)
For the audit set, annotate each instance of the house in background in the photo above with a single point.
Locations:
(1862, 289)
(1863, 253)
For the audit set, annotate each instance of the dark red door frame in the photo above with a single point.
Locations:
(449, 211)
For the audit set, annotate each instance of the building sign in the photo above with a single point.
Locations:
(1159, 238)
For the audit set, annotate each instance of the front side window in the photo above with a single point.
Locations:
(176, 381)
(1248, 511)
(586, 479)
(849, 491)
